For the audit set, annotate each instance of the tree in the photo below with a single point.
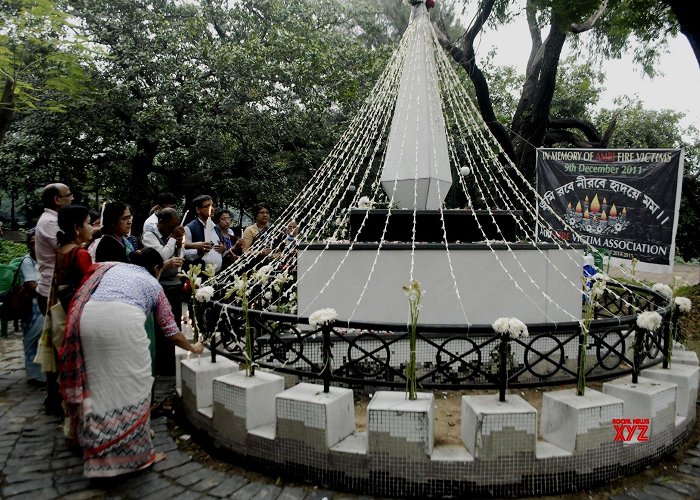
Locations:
(41, 57)
(688, 21)
(241, 102)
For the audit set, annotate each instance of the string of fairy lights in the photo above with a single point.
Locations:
(352, 172)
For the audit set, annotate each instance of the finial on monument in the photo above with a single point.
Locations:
(429, 4)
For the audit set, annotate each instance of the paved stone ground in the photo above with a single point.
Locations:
(35, 462)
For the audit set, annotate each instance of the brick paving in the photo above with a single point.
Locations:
(36, 463)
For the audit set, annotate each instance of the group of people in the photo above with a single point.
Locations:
(107, 311)
(98, 336)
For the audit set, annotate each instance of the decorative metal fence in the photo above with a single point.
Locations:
(457, 357)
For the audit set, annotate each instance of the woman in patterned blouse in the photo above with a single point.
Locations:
(106, 377)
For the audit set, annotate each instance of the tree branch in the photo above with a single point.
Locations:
(590, 22)
(466, 57)
(558, 136)
(535, 35)
(589, 130)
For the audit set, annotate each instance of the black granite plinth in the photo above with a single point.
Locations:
(460, 225)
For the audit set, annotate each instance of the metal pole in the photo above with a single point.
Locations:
(503, 368)
(638, 346)
(326, 370)
(579, 357)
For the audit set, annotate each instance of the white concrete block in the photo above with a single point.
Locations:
(249, 398)
(648, 399)
(392, 415)
(686, 377)
(579, 423)
(305, 408)
(683, 357)
(493, 429)
(198, 375)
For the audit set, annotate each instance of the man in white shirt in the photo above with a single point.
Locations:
(164, 200)
(166, 237)
(202, 244)
(54, 197)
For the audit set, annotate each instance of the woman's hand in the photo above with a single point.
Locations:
(198, 348)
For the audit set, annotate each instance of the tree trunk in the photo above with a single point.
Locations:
(684, 11)
(138, 193)
(7, 107)
(531, 117)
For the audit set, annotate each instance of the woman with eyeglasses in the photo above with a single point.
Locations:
(115, 245)
(232, 245)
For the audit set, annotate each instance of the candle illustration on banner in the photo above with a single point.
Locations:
(579, 212)
(603, 222)
(595, 212)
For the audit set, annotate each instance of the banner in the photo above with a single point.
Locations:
(624, 200)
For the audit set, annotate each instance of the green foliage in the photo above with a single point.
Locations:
(10, 250)
(641, 26)
(42, 52)
(238, 100)
(577, 90)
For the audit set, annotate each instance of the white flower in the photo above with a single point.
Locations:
(280, 280)
(203, 294)
(322, 317)
(517, 328)
(683, 304)
(210, 269)
(197, 281)
(268, 295)
(413, 291)
(293, 309)
(501, 325)
(512, 326)
(364, 202)
(601, 277)
(597, 289)
(262, 275)
(649, 320)
(662, 289)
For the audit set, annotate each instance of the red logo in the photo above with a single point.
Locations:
(631, 430)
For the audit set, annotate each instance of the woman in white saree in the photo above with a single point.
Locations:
(106, 379)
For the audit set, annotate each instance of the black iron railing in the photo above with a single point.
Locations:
(449, 357)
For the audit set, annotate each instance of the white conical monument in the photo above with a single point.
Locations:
(416, 171)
